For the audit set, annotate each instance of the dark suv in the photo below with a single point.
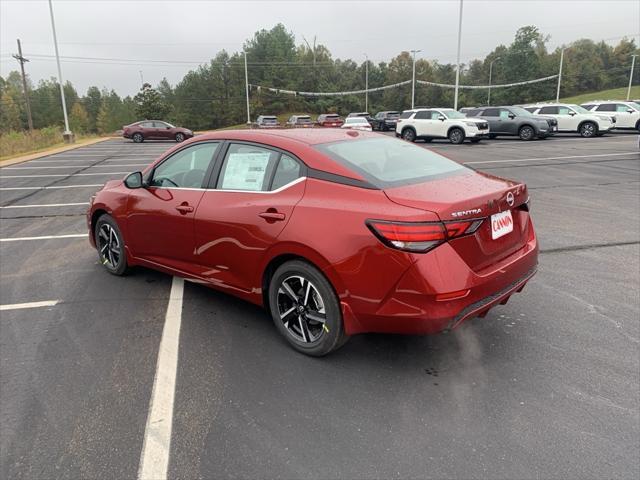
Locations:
(330, 120)
(384, 121)
(515, 121)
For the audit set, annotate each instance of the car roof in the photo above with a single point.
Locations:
(606, 101)
(299, 142)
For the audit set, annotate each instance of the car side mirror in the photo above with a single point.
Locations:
(442, 118)
(134, 180)
(572, 113)
(630, 110)
(512, 116)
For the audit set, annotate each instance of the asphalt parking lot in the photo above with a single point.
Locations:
(546, 386)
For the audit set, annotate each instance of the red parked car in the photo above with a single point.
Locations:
(155, 130)
(330, 120)
(334, 232)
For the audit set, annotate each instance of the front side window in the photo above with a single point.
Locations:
(247, 168)
(388, 162)
(504, 114)
(454, 114)
(620, 107)
(186, 168)
(564, 111)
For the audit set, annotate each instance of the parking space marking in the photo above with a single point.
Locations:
(45, 237)
(38, 175)
(154, 460)
(47, 205)
(18, 306)
(55, 187)
(554, 158)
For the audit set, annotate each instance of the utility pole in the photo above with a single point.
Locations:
(413, 81)
(141, 79)
(560, 74)
(67, 134)
(22, 61)
(366, 84)
(455, 100)
(633, 64)
(490, 71)
(246, 85)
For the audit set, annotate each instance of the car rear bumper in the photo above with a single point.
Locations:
(416, 304)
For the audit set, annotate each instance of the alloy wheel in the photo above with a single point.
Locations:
(179, 137)
(588, 130)
(456, 136)
(302, 309)
(109, 246)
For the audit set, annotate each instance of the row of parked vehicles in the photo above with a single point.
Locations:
(382, 121)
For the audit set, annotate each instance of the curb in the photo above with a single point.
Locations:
(44, 153)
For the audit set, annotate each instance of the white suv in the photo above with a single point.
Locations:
(574, 118)
(626, 114)
(430, 123)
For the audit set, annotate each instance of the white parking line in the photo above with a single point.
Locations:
(45, 237)
(37, 175)
(51, 188)
(47, 205)
(76, 166)
(554, 158)
(154, 460)
(18, 306)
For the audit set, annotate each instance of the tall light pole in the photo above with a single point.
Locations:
(490, 71)
(560, 74)
(366, 83)
(633, 64)
(246, 86)
(413, 82)
(67, 134)
(455, 100)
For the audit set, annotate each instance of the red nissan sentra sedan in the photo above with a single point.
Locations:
(334, 232)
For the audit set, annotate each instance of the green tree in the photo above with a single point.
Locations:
(78, 118)
(9, 113)
(92, 102)
(149, 104)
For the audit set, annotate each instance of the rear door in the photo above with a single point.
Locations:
(423, 124)
(160, 216)
(251, 198)
(492, 115)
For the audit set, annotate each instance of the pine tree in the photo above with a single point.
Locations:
(149, 104)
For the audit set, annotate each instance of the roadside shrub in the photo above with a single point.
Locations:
(13, 143)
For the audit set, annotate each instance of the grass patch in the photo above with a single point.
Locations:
(14, 144)
(613, 94)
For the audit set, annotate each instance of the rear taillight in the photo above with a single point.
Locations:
(420, 236)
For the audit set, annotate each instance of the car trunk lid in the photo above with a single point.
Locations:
(473, 195)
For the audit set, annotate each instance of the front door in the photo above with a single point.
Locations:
(240, 219)
(160, 216)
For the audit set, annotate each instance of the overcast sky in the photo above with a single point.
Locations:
(191, 32)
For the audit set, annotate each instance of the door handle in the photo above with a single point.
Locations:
(273, 216)
(184, 208)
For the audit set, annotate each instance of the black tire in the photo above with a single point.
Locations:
(638, 126)
(137, 137)
(409, 134)
(297, 291)
(179, 137)
(588, 130)
(110, 245)
(526, 133)
(456, 136)
(383, 127)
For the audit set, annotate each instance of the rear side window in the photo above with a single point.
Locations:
(549, 111)
(388, 162)
(247, 168)
(491, 112)
(406, 115)
(588, 106)
(474, 112)
(287, 171)
(531, 109)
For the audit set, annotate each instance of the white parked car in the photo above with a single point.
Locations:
(430, 123)
(626, 114)
(574, 118)
(357, 123)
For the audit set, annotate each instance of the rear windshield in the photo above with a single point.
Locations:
(388, 162)
(304, 119)
(332, 116)
(393, 114)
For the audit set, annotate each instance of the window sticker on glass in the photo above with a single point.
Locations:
(245, 171)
